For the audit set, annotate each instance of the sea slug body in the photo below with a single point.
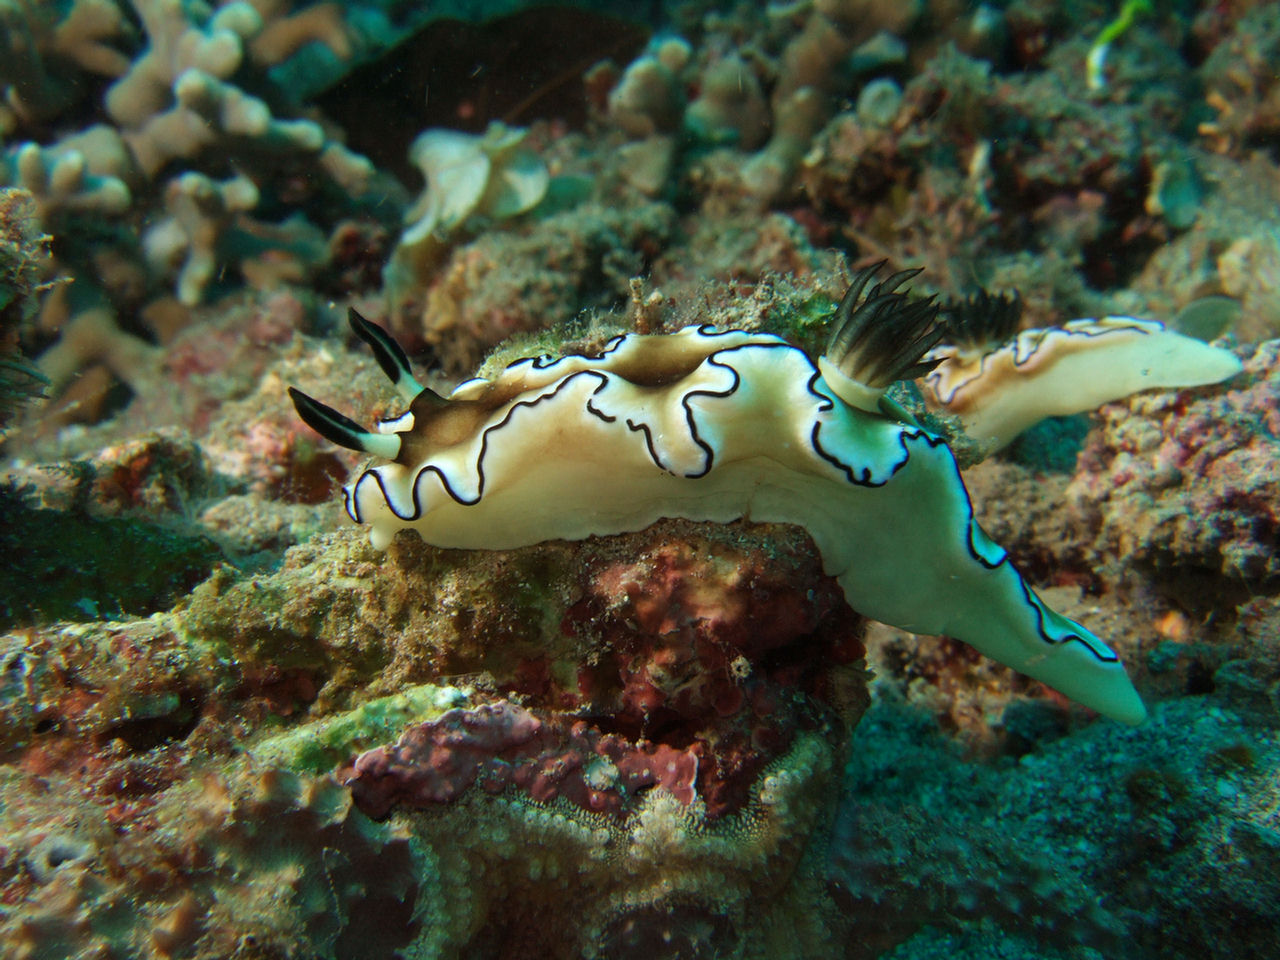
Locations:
(1015, 379)
(715, 426)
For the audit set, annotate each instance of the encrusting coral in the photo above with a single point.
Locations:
(1180, 485)
(723, 651)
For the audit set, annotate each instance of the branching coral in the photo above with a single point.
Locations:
(94, 337)
(649, 98)
(768, 133)
(45, 48)
(186, 93)
(83, 174)
(730, 107)
(179, 97)
(198, 209)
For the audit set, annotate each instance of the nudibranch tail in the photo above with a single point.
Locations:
(389, 354)
(342, 430)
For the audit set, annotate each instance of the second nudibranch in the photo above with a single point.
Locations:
(719, 426)
(1000, 380)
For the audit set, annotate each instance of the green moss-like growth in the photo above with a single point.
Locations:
(320, 746)
(70, 566)
(805, 321)
(21, 250)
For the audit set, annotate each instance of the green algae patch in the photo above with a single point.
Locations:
(320, 612)
(805, 320)
(71, 566)
(320, 746)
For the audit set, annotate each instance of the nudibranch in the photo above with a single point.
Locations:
(718, 425)
(999, 381)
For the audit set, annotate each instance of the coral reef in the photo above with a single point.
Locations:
(1019, 879)
(504, 285)
(229, 728)
(748, 757)
(195, 93)
(1230, 250)
(492, 177)
(1241, 91)
(234, 849)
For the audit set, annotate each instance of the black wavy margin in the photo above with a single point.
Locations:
(638, 427)
(825, 404)
(353, 509)
(546, 361)
(905, 433)
(932, 378)
(1038, 606)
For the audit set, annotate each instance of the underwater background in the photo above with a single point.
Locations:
(231, 728)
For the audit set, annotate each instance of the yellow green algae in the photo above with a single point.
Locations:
(323, 744)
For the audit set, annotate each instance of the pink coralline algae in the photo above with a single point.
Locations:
(1185, 483)
(688, 634)
(689, 661)
(502, 745)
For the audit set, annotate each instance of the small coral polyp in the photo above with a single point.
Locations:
(716, 426)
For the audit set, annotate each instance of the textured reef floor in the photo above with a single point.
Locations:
(230, 728)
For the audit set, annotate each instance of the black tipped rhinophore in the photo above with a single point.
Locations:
(880, 337)
(391, 358)
(982, 320)
(389, 354)
(328, 422)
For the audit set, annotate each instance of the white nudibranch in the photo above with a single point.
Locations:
(717, 426)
